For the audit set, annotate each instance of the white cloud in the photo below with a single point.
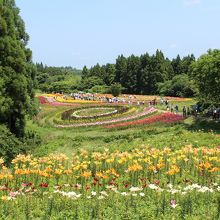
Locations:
(192, 2)
(173, 46)
(75, 54)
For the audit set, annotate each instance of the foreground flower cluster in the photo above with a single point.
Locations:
(166, 178)
(121, 170)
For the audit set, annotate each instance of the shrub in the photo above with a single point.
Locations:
(10, 146)
(116, 89)
(98, 89)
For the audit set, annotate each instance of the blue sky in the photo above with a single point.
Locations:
(85, 32)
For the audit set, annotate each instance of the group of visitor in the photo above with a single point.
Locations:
(125, 99)
(83, 96)
(132, 100)
(175, 108)
(214, 113)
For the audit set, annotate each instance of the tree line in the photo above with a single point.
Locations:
(145, 74)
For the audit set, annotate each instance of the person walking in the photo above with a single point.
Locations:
(184, 111)
(188, 111)
(176, 108)
(215, 114)
(172, 108)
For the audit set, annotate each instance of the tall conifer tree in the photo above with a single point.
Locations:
(17, 71)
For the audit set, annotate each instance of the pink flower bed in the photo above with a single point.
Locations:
(164, 117)
(42, 99)
(146, 111)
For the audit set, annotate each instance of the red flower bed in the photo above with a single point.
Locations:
(164, 117)
(42, 99)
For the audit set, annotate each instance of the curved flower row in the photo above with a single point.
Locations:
(166, 117)
(146, 111)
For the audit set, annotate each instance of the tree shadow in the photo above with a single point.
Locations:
(204, 124)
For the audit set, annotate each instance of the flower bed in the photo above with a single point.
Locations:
(146, 111)
(164, 118)
(144, 182)
(63, 100)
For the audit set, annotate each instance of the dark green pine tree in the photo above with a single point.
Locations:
(186, 65)
(133, 74)
(109, 74)
(85, 72)
(177, 65)
(96, 71)
(121, 70)
(17, 71)
(143, 80)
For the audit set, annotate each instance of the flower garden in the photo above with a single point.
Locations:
(86, 113)
(120, 160)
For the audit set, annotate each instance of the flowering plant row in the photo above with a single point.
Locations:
(166, 117)
(74, 114)
(59, 120)
(145, 112)
(62, 99)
